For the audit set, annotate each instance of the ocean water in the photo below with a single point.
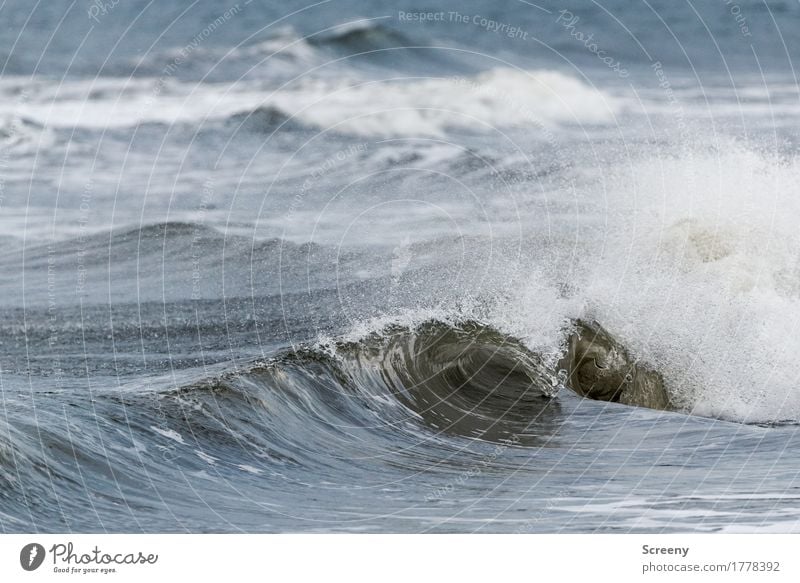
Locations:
(274, 267)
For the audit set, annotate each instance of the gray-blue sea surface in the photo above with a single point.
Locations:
(274, 267)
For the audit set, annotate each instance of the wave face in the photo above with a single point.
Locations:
(468, 380)
(413, 414)
(333, 268)
(389, 397)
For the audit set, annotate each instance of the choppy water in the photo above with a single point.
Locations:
(271, 267)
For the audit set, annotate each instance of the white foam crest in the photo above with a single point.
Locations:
(428, 107)
(115, 103)
(699, 274)
(409, 318)
(400, 107)
(693, 264)
(20, 136)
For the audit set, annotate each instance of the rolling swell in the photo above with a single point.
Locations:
(265, 119)
(361, 37)
(402, 398)
(464, 380)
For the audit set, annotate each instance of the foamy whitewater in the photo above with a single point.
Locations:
(279, 269)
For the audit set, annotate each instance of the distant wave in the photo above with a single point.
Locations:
(173, 241)
(20, 135)
(279, 54)
(416, 106)
(361, 36)
(265, 119)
